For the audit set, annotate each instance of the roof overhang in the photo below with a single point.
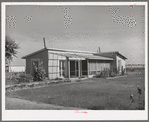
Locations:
(116, 52)
(83, 56)
(67, 50)
(121, 55)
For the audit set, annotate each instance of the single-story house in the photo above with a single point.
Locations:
(72, 63)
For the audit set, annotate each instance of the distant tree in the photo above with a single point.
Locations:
(10, 49)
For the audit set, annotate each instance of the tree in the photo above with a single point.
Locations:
(10, 49)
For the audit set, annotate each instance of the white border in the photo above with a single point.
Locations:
(70, 114)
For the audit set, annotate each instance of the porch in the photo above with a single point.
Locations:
(66, 65)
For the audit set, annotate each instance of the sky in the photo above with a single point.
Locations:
(85, 28)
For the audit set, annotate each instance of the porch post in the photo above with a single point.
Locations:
(96, 66)
(68, 68)
(79, 68)
(87, 68)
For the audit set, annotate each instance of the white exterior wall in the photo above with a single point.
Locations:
(54, 58)
(53, 65)
(95, 66)
(122, 62)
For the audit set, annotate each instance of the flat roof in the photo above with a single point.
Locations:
(86, 56)
(102, 53)
(67, 50)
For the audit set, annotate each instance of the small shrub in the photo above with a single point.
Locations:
(25, 78)
(132, 98)
(98, 74)
(67, 80)
(139, 91)
(140, 102)
(104, 74)
(39, 74)
(15, 79)
(112, 74)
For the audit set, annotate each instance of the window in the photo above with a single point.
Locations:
(62, 68)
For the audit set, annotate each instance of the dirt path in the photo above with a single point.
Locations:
(19, 104)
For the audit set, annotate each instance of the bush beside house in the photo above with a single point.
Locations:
(109, 73)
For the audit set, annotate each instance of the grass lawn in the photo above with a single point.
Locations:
(95, 93)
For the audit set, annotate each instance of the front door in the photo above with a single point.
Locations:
(74, 70)
(84, 67)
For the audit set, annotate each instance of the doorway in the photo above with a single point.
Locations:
(84, 68)
(74, 69)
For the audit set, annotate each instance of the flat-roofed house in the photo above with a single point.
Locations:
(67, 63)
